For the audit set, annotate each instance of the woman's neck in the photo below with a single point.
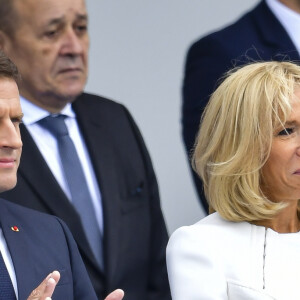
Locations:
(287, 221)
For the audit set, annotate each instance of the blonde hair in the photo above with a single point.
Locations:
(235, 137)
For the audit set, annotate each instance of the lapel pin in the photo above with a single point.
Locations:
(14, 228)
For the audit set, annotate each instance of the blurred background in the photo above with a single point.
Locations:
(137, 57)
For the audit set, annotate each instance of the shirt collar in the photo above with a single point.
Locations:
(289, 19)
(33, 113)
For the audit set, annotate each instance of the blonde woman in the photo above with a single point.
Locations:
(248, 155)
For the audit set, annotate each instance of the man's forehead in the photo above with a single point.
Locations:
(8, 86)
(10, 108)
(9, 93)
(63, 18)
(48, 10)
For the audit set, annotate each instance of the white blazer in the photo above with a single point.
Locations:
(216, 259)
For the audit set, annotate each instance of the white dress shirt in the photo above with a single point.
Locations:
(289, 19)
(8, 262)
(219, 260)
(47, 145)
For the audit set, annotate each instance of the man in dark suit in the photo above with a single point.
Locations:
(48, 41)
(258, 35)
(38, 244)
(32, 244)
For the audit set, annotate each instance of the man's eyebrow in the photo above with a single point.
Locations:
(55, 21)
(82, 17)
(18, 117)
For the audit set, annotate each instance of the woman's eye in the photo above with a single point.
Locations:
(286, 131)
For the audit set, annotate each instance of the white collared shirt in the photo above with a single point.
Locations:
(8, 262)
(47, 145)
(288, 18)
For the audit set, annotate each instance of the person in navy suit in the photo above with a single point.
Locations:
(270, 31)
(48, 41)
(33, 245)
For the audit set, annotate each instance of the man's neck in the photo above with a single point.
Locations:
(53, 105)
(292, 4)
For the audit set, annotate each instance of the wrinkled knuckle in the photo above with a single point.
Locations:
(35, 293)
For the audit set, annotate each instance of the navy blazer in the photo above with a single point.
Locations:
(43, 244)
(256, 36)
(135, 235)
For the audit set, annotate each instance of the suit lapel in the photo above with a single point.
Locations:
(19, 250)
(49, 191)
(100, 148)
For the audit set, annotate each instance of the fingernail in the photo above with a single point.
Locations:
(50, 280)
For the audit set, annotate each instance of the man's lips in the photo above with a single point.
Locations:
(297, 172)
(7, 162)
(70, 70)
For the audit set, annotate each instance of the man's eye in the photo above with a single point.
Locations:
(51, 33)
(286, 131)
(81, 29)
(16, 121)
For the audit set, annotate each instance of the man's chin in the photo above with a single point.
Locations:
(71, 92)
(7, 186)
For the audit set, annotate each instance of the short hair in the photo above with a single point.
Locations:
(235, 137)
(8, 69)
(8, 17)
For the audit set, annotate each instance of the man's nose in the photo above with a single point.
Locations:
(72, 43)
(10, 136)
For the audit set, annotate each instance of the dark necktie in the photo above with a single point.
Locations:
(6, 288)
(76, 180)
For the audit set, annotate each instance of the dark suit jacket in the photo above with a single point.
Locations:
(256, 36)
(43, 244)
(135, 235)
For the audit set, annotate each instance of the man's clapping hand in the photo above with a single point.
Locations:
(45, 290)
